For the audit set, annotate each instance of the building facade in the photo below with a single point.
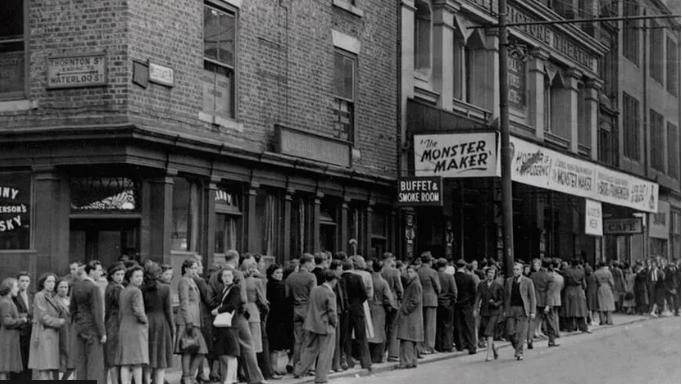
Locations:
(565, 113)
(190, 127)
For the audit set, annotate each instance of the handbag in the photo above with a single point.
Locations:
(189, 342)
(224, 320)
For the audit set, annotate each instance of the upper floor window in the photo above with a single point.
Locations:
(12, 49)
(657, 141)
(656, 53)
(422, 38)
(631, 139)
(607, 63)
(219, 61)
(631, 32)
(673, 151)
(608, 142)
(345, 70)
(672, 50)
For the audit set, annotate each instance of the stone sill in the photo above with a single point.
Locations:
(221, 121)
(347, 6)
(18, 105)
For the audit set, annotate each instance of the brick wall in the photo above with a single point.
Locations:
(284, 69)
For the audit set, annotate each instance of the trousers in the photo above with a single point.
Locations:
(465, 324)
(550, 323)
(444, 328)
(392, 342)
(517, 328)
(408, 353)
(338, 351)
(89, 359)
(317, 347)
(356, 326)
(247, 354)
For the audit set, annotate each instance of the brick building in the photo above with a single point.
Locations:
(170, 128)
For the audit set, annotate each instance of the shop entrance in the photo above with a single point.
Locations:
(103, 239)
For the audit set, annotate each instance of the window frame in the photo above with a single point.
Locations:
(673, 152)
(631, 34)
(425, 72)
(26, 37)
(631, 127)
(672, 66)
(657, 131)
(234, 11)
(352, 135)
(656, 48)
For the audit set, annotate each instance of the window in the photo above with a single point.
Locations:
(422, 38)
(608, 143)
(631, 139)
(268, 219)
(548, 105)
(656, 52)
(12, 49)
(657, 141)
(219, 61)
(300, 221)
(186, 202)
(344, 95)
(672, 67)
(15, 215)
(113, 194)
(228, 220)
(607, 70)
(673, 151)
(631, 33)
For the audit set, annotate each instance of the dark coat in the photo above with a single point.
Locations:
(410, 316)
(448, 290)
(466, 288)
(87, 315)
(10, 355)
(428, 277)
(299, 285)
(489, 298)
(157, 305)
(542, 281)
(280, 318)
(226, 339)
(319, 274)
(357, 294)
(111, 321)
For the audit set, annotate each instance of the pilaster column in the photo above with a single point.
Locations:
(317, 202)
(344, 224)
(51, 205)
(572, 77)
(593, 89)
(286, 233)
(208, 243)
(536, 86)
(368, 229)
(161, 216)
(443, 40)
(252, 225)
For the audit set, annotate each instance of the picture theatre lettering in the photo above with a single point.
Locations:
(15, 200)
(456, 155)
(517, 82)
(420, 191)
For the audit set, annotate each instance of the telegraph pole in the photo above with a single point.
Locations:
(507, 207)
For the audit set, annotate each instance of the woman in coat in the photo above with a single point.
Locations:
(378, 306)
(591, 294)
(629, 303)
(133, 336)
(10, 322)
(115, 275)
(641, 289)
(410, 320)
(44, 349)
(605, 294)
(489, 302)
(66, 362)
(157, 306)
(226, 339)
(189, 321)
(279, 327)
(255, 301)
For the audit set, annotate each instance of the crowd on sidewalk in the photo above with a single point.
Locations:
(319, 313)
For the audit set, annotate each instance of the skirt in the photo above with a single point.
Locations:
(182, 332)
(488, 325)
(226, 342)
(257, 337)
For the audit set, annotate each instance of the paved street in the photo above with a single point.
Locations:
(643, 352)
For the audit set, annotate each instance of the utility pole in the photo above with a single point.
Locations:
(507, 201)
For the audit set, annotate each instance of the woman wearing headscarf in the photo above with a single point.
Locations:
(410, 320)
(605, 294)
(10, 322)
(44, 349)
(157, 306)
(279, 328)
(226, 338)
(133, 337)
(115, 275)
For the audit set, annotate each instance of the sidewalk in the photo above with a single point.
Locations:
(173, 376)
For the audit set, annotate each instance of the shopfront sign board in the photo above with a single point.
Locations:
(313, 147)
(659, 222)
(626, 226)
(456, 155)
(420, 191)
(593, 218)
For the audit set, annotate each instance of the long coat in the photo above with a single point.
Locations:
(554, 294)
(112, 321)
(605, 290)
(10, 355)
(133, 337)
(410, 317)
(157, 306)
(428, 277)
(280, 317)
(382, 300)
(575, 304)
(44, 350)
(591, 292)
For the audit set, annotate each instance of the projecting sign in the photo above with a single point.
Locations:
(629, 226)
(420, 191)
(77, 71)
(456, 155)
(161, 74)
(593, 218)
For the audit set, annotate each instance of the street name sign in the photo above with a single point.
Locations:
(77, 71)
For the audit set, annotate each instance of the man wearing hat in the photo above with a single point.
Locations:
(430, 282)
(465, 323)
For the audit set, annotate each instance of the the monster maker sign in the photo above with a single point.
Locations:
(15, 213)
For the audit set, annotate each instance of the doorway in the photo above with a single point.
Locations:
(103, 239)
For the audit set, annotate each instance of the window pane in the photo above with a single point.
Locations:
(218, 89)
(344, 68)
(219, 36)
(11, 19)
(104, 194)
(11, 67)
(15, 199)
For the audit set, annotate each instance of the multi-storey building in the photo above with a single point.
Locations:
(183, 127)
(570, 167)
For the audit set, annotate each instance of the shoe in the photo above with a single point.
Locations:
(392, 360)
(275, 377)
(587, 331)
(401, 367)
(472, 352)
(530, 345)
(488, 359)
(553, 345)
(495, 355)
(653, 314)
(519, 357)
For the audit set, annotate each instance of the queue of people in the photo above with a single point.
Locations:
(243, 321)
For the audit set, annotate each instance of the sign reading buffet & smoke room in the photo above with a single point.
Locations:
(456, 155)
(420, 191)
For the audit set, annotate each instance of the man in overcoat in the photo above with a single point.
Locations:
(410, 323)
(430, 282)
(298, 287)
(543, 282)
(24, 302)
(355, 326)
(519, 307)
(392, 277)
(446, 308)
(465, 323)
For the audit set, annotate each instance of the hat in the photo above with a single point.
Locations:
(461, 263)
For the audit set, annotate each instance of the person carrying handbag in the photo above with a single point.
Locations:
(226, 336)
(190, 342)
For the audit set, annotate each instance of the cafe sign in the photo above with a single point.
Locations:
(456, 155)
(626, 226)
(420, 191)
(77, 71)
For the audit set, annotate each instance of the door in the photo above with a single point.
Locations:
(104, 239)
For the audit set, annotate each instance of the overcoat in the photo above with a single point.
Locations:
(383, 299)
(10, 355)
(430, 282)
(605, 290)
(410, 316)
(591, 292)
(44, 350)
(574, 304)
(133, 336)
(157, 305)
(111, 321)
(280, 317)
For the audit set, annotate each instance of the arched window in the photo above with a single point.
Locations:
(422, 38)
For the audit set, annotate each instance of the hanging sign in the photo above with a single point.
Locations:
(593, 218)
(456, 155)
(628, 226)
(659, 222)
(420, 191)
